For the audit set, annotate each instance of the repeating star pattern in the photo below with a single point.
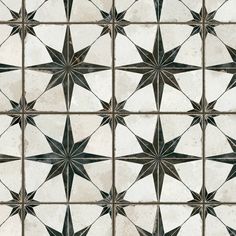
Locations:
(145, 166)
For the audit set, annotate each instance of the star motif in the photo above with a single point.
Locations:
(68, 68)
(106, 203)
(68, 229)
(158, 8)
(18, 107)
(68, 158)
(18, 208)
(229, 67)
(158, 228)
(6, 158)
(158, 158)
(228, 158)
(119, 25)
(209, 25)
(158, 68)
(199, 198)
(7, 68)
(68, 6)
(29, 20)
(208, 118)
(108, 118)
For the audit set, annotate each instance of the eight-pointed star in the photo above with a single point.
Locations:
(208, 117)
(29, 20)
(18, 208)
(108, 118)
(158, 68)
(68, 68)
(19, 118)
(107, 205)
(209, 25)
(158, 158)
(68, 158)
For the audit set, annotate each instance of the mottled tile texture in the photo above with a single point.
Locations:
(117, 118)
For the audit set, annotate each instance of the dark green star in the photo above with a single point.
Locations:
(209, 24)
(158, 68)
(68, 158)
(68, 68)
(199, 198)
(158, 158)
(17, 108)
(107, 205)
(208, 118)
(30, 23)
(118, 118)
(18, 208)
(107, 21)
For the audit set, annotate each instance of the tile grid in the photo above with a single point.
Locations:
(113, 113)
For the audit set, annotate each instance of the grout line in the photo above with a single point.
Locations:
(130, 203)
(119, 23)
(115, 112)
(113, 123)
(23, 120)
(204, 123)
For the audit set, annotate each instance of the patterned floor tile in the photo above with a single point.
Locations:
(222, 219)
(220, 74)
(158, 158)
(159, 10)
(10, 156)
(71, 68)
(69, 164)
(70, 220)
(158, 220)
(160, 70)
(117, 118)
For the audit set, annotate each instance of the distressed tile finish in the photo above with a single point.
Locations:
(117, 118)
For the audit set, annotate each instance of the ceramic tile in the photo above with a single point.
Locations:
(160, 70)
(70, 220)
(70, 10)
(158, 220)
(159, 10)
(75, 66)
(155, 164)
(69, 164)
(220, 150)
(220, 74)
(222, 222)
(10, 157)
(117, 118)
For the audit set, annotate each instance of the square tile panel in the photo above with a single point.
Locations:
(71, 64)
(117, 118)
(156, 162)
(161, 69)
(63, 161)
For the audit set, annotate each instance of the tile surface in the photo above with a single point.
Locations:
(117, 118)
